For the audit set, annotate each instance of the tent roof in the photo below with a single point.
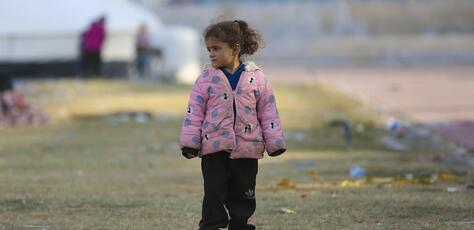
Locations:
(60, 16)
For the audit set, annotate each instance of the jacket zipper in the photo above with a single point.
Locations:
(234, 108)
(234, 111)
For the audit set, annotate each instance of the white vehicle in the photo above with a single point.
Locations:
(42, 38)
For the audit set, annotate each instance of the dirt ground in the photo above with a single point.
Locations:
(437, 96)
(100, 166)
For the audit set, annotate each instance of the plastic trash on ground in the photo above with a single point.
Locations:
(286, 211)
(470, 186)
(348, 183)
(453, 189)
(314, 175)
(286, 183)
(393, 144)
(357, 172)
(446, 177)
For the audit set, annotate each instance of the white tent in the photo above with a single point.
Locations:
(48, 31)
(32, 30)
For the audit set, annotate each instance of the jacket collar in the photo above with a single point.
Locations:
(249, 66)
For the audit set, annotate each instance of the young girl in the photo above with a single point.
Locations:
(230, 121)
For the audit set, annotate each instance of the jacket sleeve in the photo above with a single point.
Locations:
(269, 119)
(193, 118)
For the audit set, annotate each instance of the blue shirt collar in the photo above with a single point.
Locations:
(237, 72)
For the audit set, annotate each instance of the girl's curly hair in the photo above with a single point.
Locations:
(235, 32)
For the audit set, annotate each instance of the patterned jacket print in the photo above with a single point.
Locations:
(209, 123)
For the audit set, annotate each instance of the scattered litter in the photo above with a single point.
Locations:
(388, 182)
(392, 144)
(396, 127)
(446, 177)
(460, 151)
(470, 186)
(348, 183)
(286, 183)
(459, 160)
(314, 175)
(379, 180)
(304, 195)
(400, 183)
(333, 195)
(142, 117)
(402, 136)
(357, 172)
(453, 189)
(423, 132)
(286, 211)
(24, 200)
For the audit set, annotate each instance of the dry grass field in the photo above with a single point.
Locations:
(95, 166)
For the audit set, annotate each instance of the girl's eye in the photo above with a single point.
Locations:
(213, 49)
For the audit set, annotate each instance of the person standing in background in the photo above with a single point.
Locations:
(142, 48)
(93, 43)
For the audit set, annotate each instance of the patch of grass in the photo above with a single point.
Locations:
(97, 174)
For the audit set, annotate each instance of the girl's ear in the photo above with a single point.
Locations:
(236, 49)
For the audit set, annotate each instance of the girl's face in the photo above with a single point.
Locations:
(221, 54)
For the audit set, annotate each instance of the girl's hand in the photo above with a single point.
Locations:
(276, 153)
(190, 153)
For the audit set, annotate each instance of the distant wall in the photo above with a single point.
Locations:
(52, 54)
(119, 46)
(414, 17)
(42, 47)
(348, 32)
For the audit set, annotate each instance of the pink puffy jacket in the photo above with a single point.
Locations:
(209, 123)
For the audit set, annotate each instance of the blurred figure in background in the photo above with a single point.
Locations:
(14, 109)
(93, 41)
(142, 46)
(6, 85)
